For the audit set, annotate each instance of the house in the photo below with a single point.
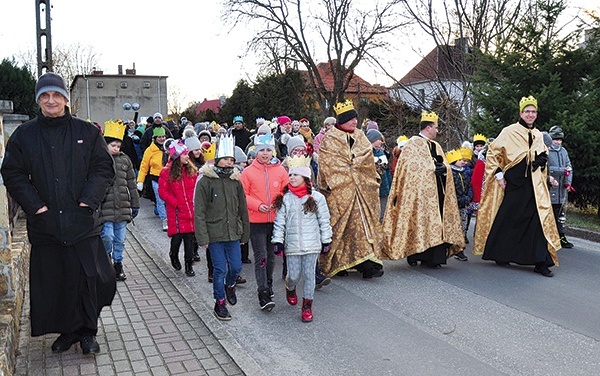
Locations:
(100, 97)
(442, 73)
(359, 90)
(213, 104)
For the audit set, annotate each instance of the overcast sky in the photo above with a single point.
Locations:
(182, 39)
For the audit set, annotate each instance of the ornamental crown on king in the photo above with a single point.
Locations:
(342, 107)
(429, 116)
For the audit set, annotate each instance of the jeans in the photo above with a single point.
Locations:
(264, 258)
(227, 263)
(160, 203)
(113, 237)
(302, 266)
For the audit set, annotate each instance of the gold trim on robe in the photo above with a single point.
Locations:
(505, 152)
(412, 222)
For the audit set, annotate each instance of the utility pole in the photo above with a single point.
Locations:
(44, 36)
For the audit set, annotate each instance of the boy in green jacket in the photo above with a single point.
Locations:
(221, 223)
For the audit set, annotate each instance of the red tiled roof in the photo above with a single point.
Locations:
(214, 105)
(357, 84)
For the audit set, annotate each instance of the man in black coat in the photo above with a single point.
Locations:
(57, 167)
(240, 133)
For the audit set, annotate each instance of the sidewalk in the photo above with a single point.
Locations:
(152, 328)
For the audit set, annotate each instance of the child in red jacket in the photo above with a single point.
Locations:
(176, 187)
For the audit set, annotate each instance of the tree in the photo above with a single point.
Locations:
(175, 101)
(344, 32)
(17, 84)
(538, 60)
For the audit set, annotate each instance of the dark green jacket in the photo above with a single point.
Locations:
(221, 213)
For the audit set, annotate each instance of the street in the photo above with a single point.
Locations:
(467, 318)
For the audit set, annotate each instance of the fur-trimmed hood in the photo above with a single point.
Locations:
(209, 172)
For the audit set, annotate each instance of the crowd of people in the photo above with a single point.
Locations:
(329, 202)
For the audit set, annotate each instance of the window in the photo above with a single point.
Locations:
(146, 84)
(99, 84)
(123, 84)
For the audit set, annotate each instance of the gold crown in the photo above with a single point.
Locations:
(466, 153)
(114, 129)
(298, 161)
(429, 116)
(453, 156)
(401, 138)
(342, 107)
(479, 137)
(527, 101)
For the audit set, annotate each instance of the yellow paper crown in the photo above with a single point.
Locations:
(429, 116)
(211, 152)
(114, 129)
(479, 137)
(298, 161)
(453, 156)
(466, 153)
(342, 107)
(527, 101)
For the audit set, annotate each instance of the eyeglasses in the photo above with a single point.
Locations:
(530, 112)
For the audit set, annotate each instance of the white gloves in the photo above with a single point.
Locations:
(140, 186)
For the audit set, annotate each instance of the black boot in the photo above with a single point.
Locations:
(196, 255)
(189, 269)
(119, 271)
(175, 261)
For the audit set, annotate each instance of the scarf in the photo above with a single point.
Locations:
(299, 191)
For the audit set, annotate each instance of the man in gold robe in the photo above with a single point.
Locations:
(422, 222)
(349, 180)
(515, 222)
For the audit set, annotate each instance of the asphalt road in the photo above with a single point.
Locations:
(467, 318)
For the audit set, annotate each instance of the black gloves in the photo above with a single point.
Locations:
(325, 248)
(440, 169)
(278, 249)
(135, 212)
(540, 161)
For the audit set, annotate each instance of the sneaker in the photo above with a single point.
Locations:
(565, 243)
(264, 299)
(321, 281)
(240, 280)
(460, 256)
(221, 311)
(165, 225)
(230, 293)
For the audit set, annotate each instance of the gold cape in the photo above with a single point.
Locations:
(349, 180)
(412, 222)
(505, 152)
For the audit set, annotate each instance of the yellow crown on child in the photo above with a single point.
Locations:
(342, 107)
(527, 101)
(479, 137)
(453, 156)
(429, 116)
(114, 129)
(298, 161)
(466, 153)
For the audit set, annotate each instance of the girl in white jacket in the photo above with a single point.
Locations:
(302, 229)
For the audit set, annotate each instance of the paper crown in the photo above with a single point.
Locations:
(429, 116)
(527, 101)
(114, 129)
(401, 141)
(264, 139)
(210, 151)
(466, 153)
(226, 147)
(342, 107)
(176, 149)
(299, 165)
(479, 138)
(453, 156)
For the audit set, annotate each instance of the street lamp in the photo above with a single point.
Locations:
(135, 106)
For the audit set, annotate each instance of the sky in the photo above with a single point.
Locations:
(188, 41)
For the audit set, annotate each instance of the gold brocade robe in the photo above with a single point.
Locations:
(505, 152)
(349, 180)
(412, 222)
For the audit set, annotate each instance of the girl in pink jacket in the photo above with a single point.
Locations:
(176, 187)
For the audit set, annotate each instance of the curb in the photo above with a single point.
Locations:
(237, 353)
(582, 233)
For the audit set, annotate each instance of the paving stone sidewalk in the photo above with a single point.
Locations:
(152, 328)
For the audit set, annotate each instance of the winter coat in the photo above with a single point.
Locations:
(262, 183)
(221, 211)
(58, 163)
(152, 163)
(302, 233)
(179, 201)
(242, 137)
(148, 137)
(558, 161)
(462, 185)
(122, 195)
(383, 169)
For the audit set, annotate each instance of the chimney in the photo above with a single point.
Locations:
(120, 70)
